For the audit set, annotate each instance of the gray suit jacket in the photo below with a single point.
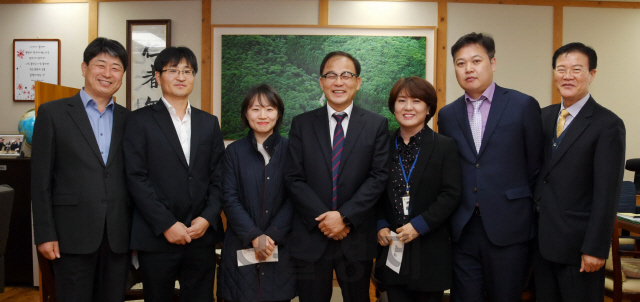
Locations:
(74, 192)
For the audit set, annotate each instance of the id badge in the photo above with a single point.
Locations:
(405, 204)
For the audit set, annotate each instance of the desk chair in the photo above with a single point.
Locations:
(6, 205)
(634, 165)
(616, 284)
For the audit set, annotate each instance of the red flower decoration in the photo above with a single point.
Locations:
(33, 87)
(21, 54)
(19, 86)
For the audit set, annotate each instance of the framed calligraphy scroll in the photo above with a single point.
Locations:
(145, 40)
(34, 60)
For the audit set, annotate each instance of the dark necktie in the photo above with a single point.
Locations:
(336, 154)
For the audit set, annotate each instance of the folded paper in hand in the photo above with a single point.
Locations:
(396, 249)
(248, 257)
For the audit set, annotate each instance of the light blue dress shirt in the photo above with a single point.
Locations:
(101, 123)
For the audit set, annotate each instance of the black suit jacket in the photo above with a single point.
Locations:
(362, 178)
(579, 185)
(165, 189)
(435, 190)
(74, 193)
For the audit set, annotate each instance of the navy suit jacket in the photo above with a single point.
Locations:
(499, 178)
(165, 189)
(578, 188)
(362, 178)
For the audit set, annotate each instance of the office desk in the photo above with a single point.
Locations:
(630, 224)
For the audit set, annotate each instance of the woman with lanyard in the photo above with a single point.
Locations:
(424, 188)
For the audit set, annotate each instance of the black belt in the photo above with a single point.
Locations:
(477, 211)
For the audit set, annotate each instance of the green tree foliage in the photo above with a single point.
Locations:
(291, 65)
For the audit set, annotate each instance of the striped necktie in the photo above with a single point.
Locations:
(336, 154)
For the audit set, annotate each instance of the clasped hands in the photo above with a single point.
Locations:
(406, 233)
(332, 226)
(263, 246)
(180, 234)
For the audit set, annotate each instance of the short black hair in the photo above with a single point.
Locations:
(111, 47)
(416, 87)
(340, 54)
(172, 56)
(577, 47)
(269, 94)
(484, 40)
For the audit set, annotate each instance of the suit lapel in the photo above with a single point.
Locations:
(323, 135)
(576, 128)
(163, 119)
(549, 122)
(427, 144)
(498, 104)
(196, 132)
(460, 108)
(356, 124)
(79, 116)
(116, 131)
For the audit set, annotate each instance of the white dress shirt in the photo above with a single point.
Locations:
(333, 122)
(183, 127)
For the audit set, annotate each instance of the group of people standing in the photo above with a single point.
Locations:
(13, 146)
(503, 186)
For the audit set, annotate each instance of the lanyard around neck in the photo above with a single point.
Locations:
(404, 174)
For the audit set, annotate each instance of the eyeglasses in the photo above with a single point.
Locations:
(573, 71)
(176, 72)
(345, 76)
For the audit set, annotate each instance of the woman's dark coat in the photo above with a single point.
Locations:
(255, 203)
(435, 189)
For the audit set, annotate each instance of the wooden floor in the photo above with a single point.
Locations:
(30, 294)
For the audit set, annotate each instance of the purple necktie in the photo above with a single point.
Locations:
(336, 154)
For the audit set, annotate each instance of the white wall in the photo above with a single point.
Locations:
(186, 29)
(383, 13)
(264, 12)
(524, 45)
(616, 85)
(65, 21)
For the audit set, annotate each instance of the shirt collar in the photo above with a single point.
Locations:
(487, 94)
(575, 108)
(173, 110)
(331, 111)
(415, 139)
(88, 100)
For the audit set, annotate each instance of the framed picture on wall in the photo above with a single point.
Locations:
(10, 145)
(289, 58)
(34, 60)
(145, 40)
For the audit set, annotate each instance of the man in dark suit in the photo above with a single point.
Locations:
(578, 188)
(172, 153)
(336, 170)
(81, 206)
(499, 136)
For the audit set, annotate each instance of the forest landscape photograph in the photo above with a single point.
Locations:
(291, 65)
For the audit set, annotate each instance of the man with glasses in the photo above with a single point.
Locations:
(81, 206)
(578, 188)
(336, 169)
(172, 155)
(499, 136)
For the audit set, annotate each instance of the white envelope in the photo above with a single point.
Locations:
(248, 257)
(394, 257)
